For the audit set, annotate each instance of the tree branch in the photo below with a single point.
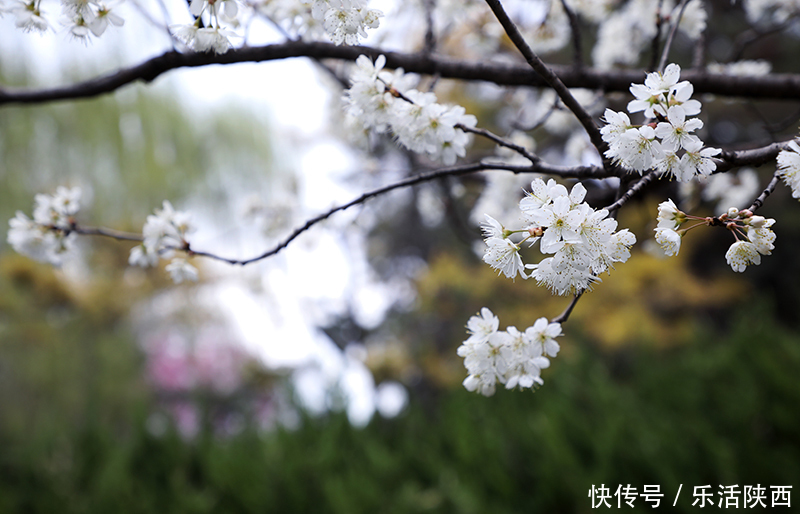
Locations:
(552, 80)
(630, 193)
(577, 43)
(758, 202)
(106, 232)
(564, 316)
(774, 86)
(501, 142)
(671, 37)
(538, 167)
(755, 157)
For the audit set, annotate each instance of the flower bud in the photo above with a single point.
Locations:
(756, 221)
(535, 231)
(733, 212)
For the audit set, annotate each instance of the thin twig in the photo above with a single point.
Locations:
(430, 34)
(673, 30)
(632, 191)
(577, 44)
(750, 36)
(422, 177)
(417, 179)
(656, 37)
(541, 121)
(107, 232)
(758, 202)
(552, 80)
(539, 167)
(699, 53)
(501, 142)
(564, 316)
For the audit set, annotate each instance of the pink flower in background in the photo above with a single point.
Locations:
(174, 363)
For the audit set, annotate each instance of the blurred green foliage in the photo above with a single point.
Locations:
(721, 410)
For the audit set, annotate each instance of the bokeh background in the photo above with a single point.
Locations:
(327, 380)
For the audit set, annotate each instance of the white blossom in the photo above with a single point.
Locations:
(39, 242)
(49, 236)
(511, 357)
(669, 216)
(760, 233)
(384, 101)
(503, 255)
(789, 165)
(164, 232)
(345, 20)
(669, 240)
(675, 133)
(29, 17)
(741, 254)
(180, 270)
(482, 327)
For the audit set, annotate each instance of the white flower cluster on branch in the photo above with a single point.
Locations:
(344, 21)
(666, 145)
(164, 232)
(48, 237)
(583, 241)
(83, 18)
(385, 102)
(753, 234)
(511, 357)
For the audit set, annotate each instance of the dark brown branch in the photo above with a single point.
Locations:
(571, 172)
(775, 86)
(107, 232)
(575, 29)
(654, 53)
(633, 191)
(430, 35)
(758, 202)
(755, 157)
(671, 36)
(564, 316)
(552, 80)
(501, 142)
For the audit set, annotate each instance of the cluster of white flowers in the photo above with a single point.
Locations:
(164, 232)
(658, 145)
(207, 33)
(509, 357)
(384, 101)
(344, 20)
(754, 235)
(583, 241)
(82, 17)
(52, 232)
(48, 236)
